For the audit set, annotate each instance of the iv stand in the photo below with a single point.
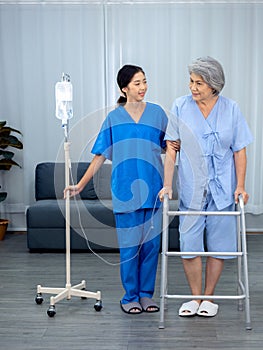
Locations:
(68, 291)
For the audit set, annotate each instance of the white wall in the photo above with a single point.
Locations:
(91, 41)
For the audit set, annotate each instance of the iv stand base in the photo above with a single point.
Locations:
(66, 293)
(69, 291)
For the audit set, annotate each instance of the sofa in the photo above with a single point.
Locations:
(91, 216)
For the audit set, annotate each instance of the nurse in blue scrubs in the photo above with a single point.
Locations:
(132, 137)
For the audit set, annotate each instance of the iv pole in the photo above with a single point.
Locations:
(68, 291)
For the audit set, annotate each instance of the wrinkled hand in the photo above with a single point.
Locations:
(73, 191)
(165, 190)
(241, 191)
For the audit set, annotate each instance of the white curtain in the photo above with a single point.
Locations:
(91, 40)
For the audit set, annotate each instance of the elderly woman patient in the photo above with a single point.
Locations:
(211, 170)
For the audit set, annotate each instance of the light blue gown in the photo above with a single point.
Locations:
(206, 168)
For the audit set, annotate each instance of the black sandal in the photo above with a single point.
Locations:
(133, 308)
(148, 303)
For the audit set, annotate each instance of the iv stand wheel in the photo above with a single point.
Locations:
(83, 297)
(98, 305)
(39, 299)
(51, 311)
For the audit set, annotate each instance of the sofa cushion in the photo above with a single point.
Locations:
(50, 180)
(89, 190)
(46, 214)
(102, 182)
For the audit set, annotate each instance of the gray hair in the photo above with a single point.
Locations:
(210, 70)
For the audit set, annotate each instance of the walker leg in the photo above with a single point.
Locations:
(245, 266)
(164, 262)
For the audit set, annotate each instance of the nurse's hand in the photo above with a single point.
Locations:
(175, 145)
(165, 190)
(73, 191)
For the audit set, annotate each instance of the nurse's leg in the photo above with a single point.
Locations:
(149, 252)
(128, 238)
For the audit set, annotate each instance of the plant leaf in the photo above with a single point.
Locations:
(7, 154)
(8, 130)
(6, 164)
(10, 141)
(3, 196)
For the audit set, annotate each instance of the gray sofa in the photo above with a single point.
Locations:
(92, 220)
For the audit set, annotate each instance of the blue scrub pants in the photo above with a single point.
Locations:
(139, 242)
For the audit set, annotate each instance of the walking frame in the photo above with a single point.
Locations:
(242, 294)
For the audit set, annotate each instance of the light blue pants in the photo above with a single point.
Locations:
(221, 231)
(139, 241)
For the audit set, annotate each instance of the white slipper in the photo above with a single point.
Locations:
(189, 309)
(207, 309)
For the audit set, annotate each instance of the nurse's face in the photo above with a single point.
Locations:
(136, 89)
(201, 91)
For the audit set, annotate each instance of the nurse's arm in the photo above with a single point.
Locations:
(240, 159)
(169, 162)
(94, 166)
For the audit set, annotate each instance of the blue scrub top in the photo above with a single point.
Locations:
(135, 151)
(206, 161)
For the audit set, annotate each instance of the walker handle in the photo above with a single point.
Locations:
(241, 201)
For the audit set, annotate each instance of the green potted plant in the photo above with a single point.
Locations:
(7, 140)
